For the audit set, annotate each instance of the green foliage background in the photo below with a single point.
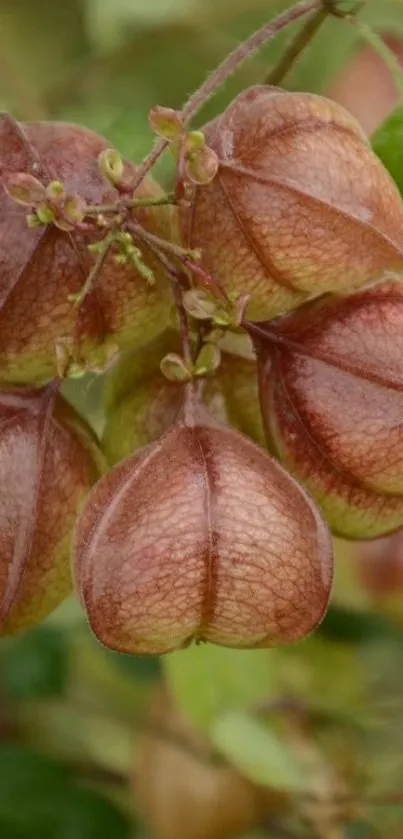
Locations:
(70, 711)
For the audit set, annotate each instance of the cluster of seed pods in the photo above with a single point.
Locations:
(196, 531)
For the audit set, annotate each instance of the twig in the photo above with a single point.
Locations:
(244, 51)
(224, 71)
(296, 47)
(129, 204)
(95, 271)
(179, 282)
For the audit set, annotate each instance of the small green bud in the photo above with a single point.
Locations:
(45, 214)
(165, 122)
(174, 368)
(73, 208)
(111, 166)
(202, 166)
(208, 360)
(199, 304)
(54, 190)
(24, 188)
(195, 140)
(33, 221)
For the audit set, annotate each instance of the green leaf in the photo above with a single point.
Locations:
(387, 143)
(40, 798)
(208, 680)
(143, 669)
(258, 752)
(351, 626)
(34, 665)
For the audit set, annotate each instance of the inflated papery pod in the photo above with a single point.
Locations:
(183, 791)
(331, 389)
(379, 567)
(41, 267)
(49, 460)
(201, 536)
(141, 403)
(300, 204)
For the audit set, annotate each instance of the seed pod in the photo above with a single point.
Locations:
(184, 793)
(48, 462)
(380, 567)
(141, 403)
(331, 390)
(42, 267)
(201, 536)
(300, 204)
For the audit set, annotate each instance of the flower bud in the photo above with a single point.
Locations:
(24, 189)
(174, 368)
(165, 122)
(42, 269)
(111, 166)
(300, 204)
(331, 389)
(202, 166)
(48, 462)
(201, 536)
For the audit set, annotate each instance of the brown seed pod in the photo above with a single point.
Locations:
(40, 268)
(141, 403)
(366, 86)
(331, 389)
(183, 792)
(48, 462)
(300, 204)
(201, 536)
(380, 567)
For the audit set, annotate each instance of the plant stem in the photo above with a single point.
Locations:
(244, 51)
(179, 282)
(95, 272)
(161, 244)
(130, 204)
(296, 47)
(225, 70)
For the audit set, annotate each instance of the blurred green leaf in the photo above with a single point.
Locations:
(107, 22)
(208, 680)
(35, 665)
(40, 798)
(387, 142)
(257, 752)
(361, 830)
(354, 627)
(143, 669)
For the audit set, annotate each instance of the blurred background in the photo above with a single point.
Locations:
(305, 743)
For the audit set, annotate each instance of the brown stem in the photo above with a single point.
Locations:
(296, 47)
(208, 280)
(244, 51)
(179, 282)
(129, 204)
(162, 244)
(224, 71)
(95, 271)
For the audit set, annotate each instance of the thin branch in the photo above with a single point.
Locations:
(95, 271)
(129, 204)
(179, 282)
(244, 51)
(224, 71)
(297, 46)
